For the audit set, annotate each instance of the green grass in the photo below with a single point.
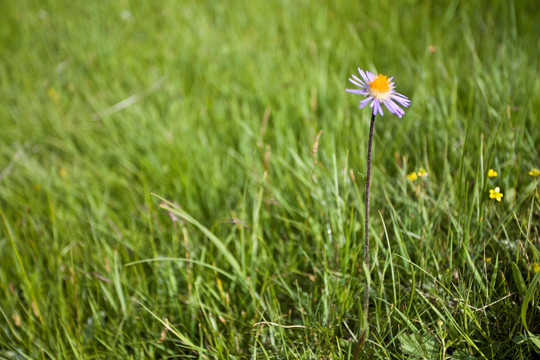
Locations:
(160, 198)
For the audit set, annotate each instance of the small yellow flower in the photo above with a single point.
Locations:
(412, 176)
(492, 173)
(535, 267)
(53, 94)
(62, 172)
(496, 194)
(534, 172)
(488, 259)
(422, 172)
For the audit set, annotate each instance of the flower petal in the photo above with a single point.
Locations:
(377, 107)
(370, 76)
(363, 74)
(365, 102)
(403, 100)
(394, 108)
(357, 91)
(356, 81)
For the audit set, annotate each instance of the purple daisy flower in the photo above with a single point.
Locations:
(379, 89)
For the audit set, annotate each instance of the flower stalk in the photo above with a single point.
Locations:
(366, 225)
(365, 330)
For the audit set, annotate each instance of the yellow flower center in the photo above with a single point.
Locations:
(380, 87)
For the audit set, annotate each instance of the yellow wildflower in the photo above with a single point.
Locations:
(488, 259)
(412, 176)
(535, 267)
(496, 194)
(534, 172)
(422, 172)
(492, 173)
(62, 172)
(53, 94)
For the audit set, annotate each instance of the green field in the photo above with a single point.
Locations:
(185, 180)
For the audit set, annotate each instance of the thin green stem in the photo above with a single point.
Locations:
(365, 330)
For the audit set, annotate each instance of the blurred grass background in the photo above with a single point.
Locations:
(252, 244)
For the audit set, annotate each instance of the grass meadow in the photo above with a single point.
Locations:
(185, 180)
